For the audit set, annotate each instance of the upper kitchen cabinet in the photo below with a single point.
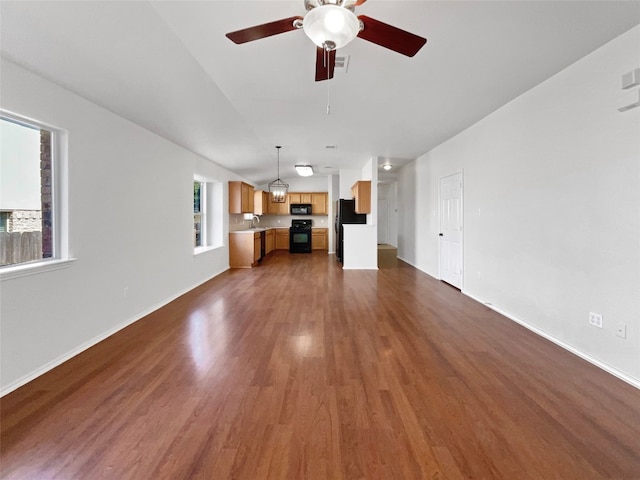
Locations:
(240, 197)
(317, 200)
(361, 192)
(261, 202)
(276, 208)
(319, 203)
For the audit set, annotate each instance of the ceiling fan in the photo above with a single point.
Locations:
(332, 24)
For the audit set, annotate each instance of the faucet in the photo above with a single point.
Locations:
(254, 217)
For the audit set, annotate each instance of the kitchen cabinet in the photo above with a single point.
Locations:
(278, 208)
(361, 192)
(245, 246)
(257, 246)
(270, 240)
(240, 197)
(242, 248)
(319, 203)
(294, 197)
(319, 239)
(261, 202)
(282, 239)
(299, 197)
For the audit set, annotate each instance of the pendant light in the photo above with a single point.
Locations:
(277, 188)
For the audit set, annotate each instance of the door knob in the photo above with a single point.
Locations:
(441, 235)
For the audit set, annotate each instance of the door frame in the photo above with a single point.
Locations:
(461, 172)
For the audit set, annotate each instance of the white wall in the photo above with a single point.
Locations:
(551, 208)
(360, 241)
(347, 178)
(130, 226)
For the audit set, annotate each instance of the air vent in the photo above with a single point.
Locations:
(342, 63)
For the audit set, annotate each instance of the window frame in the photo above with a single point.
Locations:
(212, 219)
(59, 199)
(202, 212)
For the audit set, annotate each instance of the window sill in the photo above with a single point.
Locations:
(201, 250)
(17, 271)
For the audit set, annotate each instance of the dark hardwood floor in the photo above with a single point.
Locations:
(299, 370)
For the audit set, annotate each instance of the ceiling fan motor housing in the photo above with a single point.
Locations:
(348, 4)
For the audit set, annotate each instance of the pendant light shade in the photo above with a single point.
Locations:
(331, 26)
(278, 189)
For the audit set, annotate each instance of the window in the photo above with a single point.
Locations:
(27, 192)
(199, 214)
(208, 215)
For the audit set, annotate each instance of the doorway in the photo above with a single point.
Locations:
(383, 221)
(451, 252)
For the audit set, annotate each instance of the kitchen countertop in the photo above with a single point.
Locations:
(261, 229)
(252, 230)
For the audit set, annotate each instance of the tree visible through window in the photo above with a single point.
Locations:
(26, 192)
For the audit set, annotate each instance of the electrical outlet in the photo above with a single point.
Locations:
(595, 319)
(621, 330)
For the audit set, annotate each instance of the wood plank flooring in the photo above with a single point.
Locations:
(299, 370)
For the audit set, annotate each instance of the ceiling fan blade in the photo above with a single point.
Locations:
(390, 37)
(262, 31)
(360, 2)
(324, 71)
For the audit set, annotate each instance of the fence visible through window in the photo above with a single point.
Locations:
(26, 193)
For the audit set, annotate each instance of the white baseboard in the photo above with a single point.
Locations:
(90, 343)
(417, 267)
(585, 356)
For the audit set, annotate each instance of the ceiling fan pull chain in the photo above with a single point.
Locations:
(326, 62)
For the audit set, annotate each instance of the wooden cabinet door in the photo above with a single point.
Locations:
(260, 202)
(319, 203)
(256, 247)
(271, 241)
(305, 198)
(247, 198)
(279, 208)
(361, 191)
(319, 239)
(294, 197)
(240, 197)
(282, 238)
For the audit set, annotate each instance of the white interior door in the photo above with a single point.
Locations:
(383, 220)
(451, 229)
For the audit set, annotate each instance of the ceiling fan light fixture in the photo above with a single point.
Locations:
(304, 170)
(331, 26)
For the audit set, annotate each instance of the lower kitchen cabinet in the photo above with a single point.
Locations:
(282, 239)
(242, 249)
(270, 240)
(245, 247)
(320, 239)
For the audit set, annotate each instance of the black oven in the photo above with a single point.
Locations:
(300, 236)
(300, 209)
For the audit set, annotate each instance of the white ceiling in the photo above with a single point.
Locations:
(167, 66)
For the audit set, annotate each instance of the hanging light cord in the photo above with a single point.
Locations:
(326, 62)
(278, 150)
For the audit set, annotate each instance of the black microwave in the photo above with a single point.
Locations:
(300, 209)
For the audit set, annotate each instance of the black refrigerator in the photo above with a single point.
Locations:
(345, 214)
